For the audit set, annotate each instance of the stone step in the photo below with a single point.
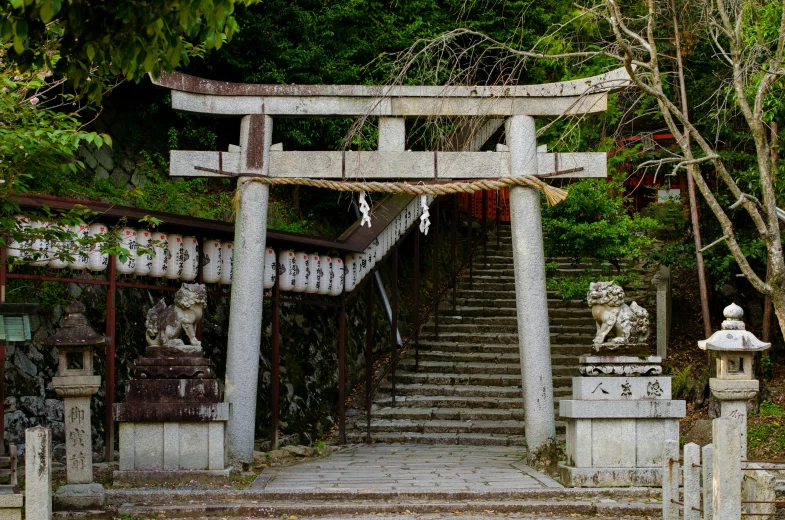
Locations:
(464, 368)
(577, 320)
(470, 439)
(504, 300)
(507, 427)
(428, 389)
(481, 357)
(455, 380)
(458, 402)
(566, 348)
(508, 338)
(473, 328)
(556, 307)
(503, 270)
(451, 414)
(460, 367)
(388, 503)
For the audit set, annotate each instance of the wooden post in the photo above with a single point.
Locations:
(111, 292)
(394, 317)
(416, 301)
(435, 295)
(3, 260)
(470, 258)
(454, 250)
(342, 370)
(368, 357)
(485, 227)
(275, 363)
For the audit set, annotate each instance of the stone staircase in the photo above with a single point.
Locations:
(467, 389)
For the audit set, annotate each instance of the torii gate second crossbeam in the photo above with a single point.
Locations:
(260, 104)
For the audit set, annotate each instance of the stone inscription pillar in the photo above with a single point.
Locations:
(38, 473)
(79, 453)
(531, 298)
(245, 318)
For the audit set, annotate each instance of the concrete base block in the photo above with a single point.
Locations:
(609, 477)
(171, 446)
(71, 497)
(11, 506)
(618, 442)
(205, 476)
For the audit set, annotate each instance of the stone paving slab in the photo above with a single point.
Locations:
(377, 467)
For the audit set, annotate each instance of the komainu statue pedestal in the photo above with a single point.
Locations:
(621, 411)
(172, 428)
(173, 419)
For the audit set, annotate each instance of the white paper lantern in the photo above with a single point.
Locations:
(98, 261)
(287, 269)
(17, 249)
(339, 276)
(144, 262)
(212, 262)
(300, 276)
(127, 241)
(190, 259)
(160, 243)
(80, 253)
(270, 268)
(324, 274)
(377, 253)
(315, 276)
(227, 262)
(39, 248)
(352, 272)
(371, 254)
(56, 247)
(174, 267)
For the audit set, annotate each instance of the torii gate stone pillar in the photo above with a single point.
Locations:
(531, 298)
(245, 309)
(488, 106)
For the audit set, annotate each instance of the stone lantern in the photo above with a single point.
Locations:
(77, 383)
(734, 347)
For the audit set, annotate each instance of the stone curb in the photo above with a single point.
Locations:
(164, 496)
(419, 507)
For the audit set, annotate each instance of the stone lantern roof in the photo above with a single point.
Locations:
(76, 330)
(733, 337)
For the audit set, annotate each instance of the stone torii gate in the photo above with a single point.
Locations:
(517, 106)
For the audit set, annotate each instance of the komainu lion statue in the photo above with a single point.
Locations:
(165, 324)
(628, 323)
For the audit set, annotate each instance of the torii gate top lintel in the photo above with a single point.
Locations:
(205, 96)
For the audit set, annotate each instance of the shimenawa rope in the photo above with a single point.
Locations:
(552, 194)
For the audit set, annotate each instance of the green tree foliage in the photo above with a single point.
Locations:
(99, 41)
(593, 226)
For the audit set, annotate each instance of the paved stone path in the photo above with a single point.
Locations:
(402, 467)
(471, 516)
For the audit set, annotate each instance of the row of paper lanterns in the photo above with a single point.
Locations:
(319, 274)
(176, 256)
